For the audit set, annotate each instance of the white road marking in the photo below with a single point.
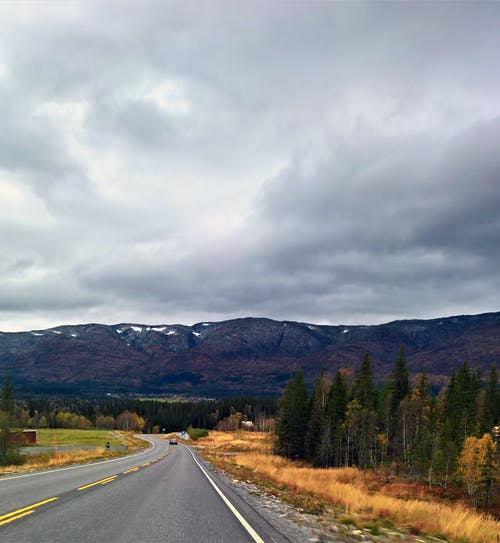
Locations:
(253, 534)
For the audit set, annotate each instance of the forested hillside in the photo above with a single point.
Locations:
(250, 356)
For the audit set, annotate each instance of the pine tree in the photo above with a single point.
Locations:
(491, 406)
(291, 425)
(421, 407)
(400, 380)
(461, 404)
(337, 399)
(317, 418)
(363, 389)
(361, 417)
(7, 409)
(7, 404)
(385, 419)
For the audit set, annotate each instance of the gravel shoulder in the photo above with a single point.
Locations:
(298, 526)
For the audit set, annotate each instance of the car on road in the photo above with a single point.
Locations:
(172, 441)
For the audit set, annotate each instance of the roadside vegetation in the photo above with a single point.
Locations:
(356, 497)
(197, 433)
(402, 430)
(78, 438)
(402, 453)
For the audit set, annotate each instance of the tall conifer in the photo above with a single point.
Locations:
(291, 425)
(317, 418)
(400, 380)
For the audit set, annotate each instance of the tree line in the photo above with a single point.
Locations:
(400, 426)
(138, 415)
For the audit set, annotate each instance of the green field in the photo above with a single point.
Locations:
(45, 437)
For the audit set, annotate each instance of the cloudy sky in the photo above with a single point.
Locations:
(186, 161)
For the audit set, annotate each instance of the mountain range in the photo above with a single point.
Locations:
(254, 356)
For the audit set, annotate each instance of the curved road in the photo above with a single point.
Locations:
(161, 494)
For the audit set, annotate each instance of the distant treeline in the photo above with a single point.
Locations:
(156, 415)
(399, 427)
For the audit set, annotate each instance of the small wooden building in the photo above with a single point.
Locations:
(24, 437)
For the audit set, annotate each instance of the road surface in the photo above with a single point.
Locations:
(163, 494)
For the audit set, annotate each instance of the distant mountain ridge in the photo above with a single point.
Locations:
(241, 356)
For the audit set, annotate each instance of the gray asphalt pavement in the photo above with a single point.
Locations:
(158, 496)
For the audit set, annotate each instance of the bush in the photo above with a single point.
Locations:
(12, 457)
(196, 433)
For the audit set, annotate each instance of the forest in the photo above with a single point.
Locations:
(401, 428)
(153, 415)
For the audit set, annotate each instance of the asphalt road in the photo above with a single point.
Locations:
(163, 494)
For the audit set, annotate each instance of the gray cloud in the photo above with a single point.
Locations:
(181, 162)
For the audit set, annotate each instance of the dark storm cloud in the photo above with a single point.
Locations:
(179, 162)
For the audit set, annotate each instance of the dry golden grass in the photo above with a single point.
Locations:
(48, 459)
(346, 487)
(237, 441)
(132, 443)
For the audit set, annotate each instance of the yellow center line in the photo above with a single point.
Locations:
(25, 514)
(146, 464)
(101, 482)
(17, 512)
(132, 469)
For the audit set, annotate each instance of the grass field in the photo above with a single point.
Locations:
(85, 438)
(248, 455)
(98, 438)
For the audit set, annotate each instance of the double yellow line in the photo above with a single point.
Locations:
(101, 482)
(24, 512)
(28, 510)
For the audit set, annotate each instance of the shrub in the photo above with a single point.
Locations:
(12, 457)
(196, 433)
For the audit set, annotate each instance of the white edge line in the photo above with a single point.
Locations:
(253, 534)
(57, 470)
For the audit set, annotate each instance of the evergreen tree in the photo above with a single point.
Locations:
(7, 408)
(421, 439)
(461, 407)
(316, 422)
(400, 381)
(291, 425)
(385, 419)
(360, 423)
(363, 389)
(491, 402)
(7, 404)
(336, 413)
